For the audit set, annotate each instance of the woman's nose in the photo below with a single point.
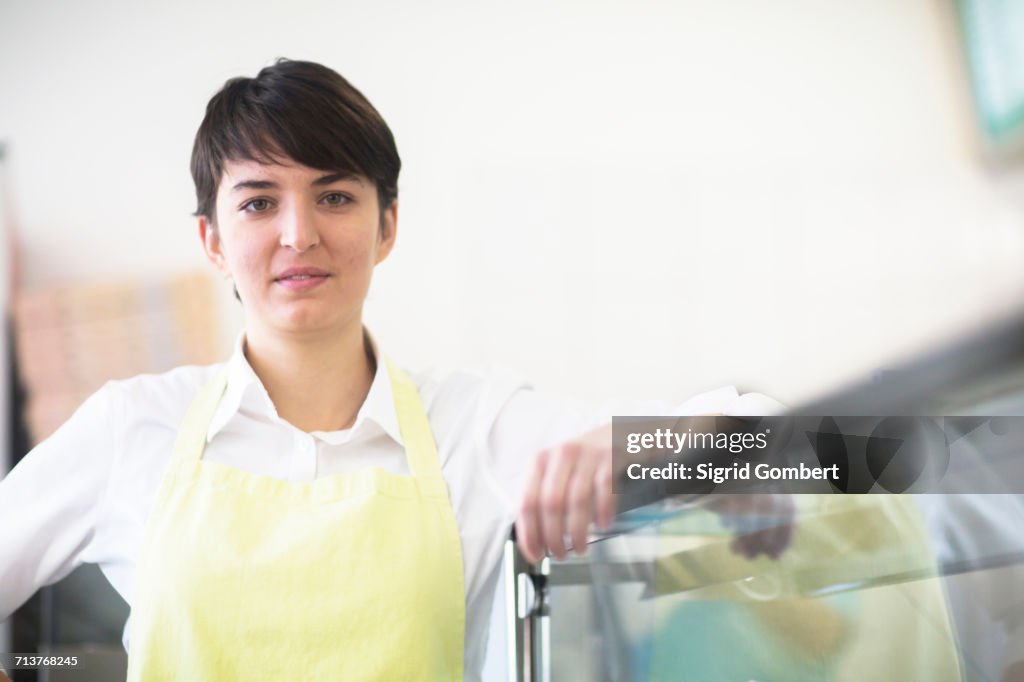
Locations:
(298, 230)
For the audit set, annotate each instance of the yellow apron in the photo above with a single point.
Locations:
(352, 577)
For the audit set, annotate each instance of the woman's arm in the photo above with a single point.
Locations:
(564, 484)
(51, 500)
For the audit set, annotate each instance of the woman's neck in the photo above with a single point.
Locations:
(315, 383)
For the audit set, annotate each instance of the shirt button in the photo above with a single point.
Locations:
(302, 442)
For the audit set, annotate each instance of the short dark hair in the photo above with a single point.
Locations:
(302, 111)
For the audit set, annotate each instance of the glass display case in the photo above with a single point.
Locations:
(866, 587)
(810, 586)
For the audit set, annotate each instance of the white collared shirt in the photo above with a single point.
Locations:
(84, 494)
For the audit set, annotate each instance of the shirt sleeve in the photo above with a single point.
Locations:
(52, 498)
(527, 421)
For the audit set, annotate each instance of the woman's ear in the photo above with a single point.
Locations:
(388, 231)
(211, 245)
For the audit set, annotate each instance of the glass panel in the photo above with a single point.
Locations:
(869, 587)
(843, 587)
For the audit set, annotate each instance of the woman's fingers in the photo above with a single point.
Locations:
(554, 496)
(606, 502)
(568, 487)
(581, 500)
(528, 533)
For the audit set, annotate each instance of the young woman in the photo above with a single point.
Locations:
(306, 510)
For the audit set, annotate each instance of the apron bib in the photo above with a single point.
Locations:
(351, 577)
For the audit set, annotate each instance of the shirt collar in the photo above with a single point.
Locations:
(245, 391)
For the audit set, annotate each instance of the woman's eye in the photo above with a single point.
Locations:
(256, 205)
(335, 199)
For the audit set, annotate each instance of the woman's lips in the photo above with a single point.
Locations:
(301, 282)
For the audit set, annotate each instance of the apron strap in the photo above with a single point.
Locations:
(420, 449)
(192, 435)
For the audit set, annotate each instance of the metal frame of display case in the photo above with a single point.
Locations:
(529, 624)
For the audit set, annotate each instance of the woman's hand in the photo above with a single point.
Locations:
(570, 485)
(567, 488)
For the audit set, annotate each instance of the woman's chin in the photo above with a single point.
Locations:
(311, 319)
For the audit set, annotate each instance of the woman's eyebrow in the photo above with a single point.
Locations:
(331, 178)
(255, 184)
(328, 179)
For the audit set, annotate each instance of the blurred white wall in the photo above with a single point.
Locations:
(615, 198)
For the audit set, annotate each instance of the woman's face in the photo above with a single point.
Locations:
(299, 243)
